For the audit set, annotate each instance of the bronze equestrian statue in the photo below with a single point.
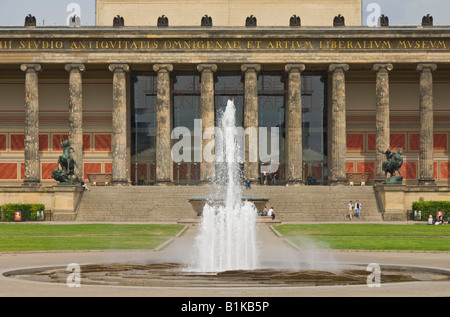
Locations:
(65, 172)
(392, 165)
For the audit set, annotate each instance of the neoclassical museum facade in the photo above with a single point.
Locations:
(336, 92)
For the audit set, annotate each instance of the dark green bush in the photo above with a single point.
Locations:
(428, 208)
(29, 211)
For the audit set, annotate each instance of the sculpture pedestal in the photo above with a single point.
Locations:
(392, 201)
(65, 202)
(395, 200)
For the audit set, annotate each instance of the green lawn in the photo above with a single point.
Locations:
(369, 236)
(45, 237)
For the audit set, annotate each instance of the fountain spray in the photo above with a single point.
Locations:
(227, 233)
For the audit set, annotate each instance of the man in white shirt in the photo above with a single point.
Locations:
(350, 210)
(271, 213)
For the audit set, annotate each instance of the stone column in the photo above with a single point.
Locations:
(426, 176)
(119, 124)
(76, 115)
(251, 160)
(164, 164)
(207, 114)
(337, 173)
(294, 146)
(32, 175)
(382, 141)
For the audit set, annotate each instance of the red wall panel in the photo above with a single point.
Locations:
(56, 141)
(440, 142)
(397, 141)
(414, 140)
(108, 168)
(2, 142)
(366, 167)
(92, 168)
(43, 142)
(47, 169)
(355, 142)
(86, 142)
(349, 167)
(8, 170)
(445, 170)
(371, 142)
(409, 170)
(17, 142)
(102, 142)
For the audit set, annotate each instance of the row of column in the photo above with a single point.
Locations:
(251, 169)
(294, 161)
(164, 120)
(119, 125)
(337, 158)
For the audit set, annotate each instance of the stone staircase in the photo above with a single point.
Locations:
(169, 204)
(138, 203)
(319, 203)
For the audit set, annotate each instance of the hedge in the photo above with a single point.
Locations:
(29, 211)
(428, 208)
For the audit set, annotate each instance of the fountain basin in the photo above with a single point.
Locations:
(199, 202)
(166, 274)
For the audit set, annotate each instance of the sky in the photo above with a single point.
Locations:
(47, 12)
(409, 12)
(56, 12)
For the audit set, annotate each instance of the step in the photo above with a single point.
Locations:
(170, 203)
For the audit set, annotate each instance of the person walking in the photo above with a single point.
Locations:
(358, 209)
(350, 208)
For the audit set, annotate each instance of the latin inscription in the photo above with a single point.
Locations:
(220, 44)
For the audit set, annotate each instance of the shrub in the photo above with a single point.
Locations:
(29, 211)
(428, 208)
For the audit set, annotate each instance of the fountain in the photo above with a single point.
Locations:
(227, 171)
(225, 252)
(227, 233)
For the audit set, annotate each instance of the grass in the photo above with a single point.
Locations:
(49, 237)
(44, 237)
(418, 237)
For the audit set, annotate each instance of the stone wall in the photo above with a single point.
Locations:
(396, 200)
(228, 13)
(61, 200)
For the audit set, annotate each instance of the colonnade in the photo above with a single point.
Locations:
(293, 119)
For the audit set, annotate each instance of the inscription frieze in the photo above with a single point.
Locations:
(223, 44)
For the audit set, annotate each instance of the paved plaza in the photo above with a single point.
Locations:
(274, 252)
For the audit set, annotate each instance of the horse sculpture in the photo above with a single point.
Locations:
(65, 172)
(392, 165)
